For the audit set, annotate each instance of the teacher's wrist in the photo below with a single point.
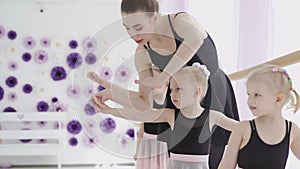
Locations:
(164, 77)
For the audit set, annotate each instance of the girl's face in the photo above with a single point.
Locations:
(261, 98)
(183, 91)
(140, 26)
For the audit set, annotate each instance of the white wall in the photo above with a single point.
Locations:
(219, 19)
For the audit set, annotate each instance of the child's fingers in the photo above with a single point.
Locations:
(96, 78)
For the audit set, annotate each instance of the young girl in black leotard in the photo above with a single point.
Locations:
(191, 125)
(264, 142)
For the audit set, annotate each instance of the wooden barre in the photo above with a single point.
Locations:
(282, 61)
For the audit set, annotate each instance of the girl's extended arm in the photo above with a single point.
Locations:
(295, 143)
(159, 115)
(219, 119)
(141, 100)
(229, 160)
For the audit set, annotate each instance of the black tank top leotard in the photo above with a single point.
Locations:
(191, 136)
(220, 95)
(259, 155)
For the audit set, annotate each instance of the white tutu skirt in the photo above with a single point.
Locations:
(152, 154)
(178, 161)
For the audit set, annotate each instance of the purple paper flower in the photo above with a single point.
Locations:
(58, 107)
(54, 99)
(73, 91)
(42, 106)
(58, 73)
(74, 60)
(2, 31)
(13, 66)
(74, 127)
(90, 58)
(25, 140)
(42, 123)
(123, 73)
(42, 141)
(106, 73)
(26, 56)
(9, 109)
(29, 42)
(27, 88)
(90, 141)
(108, 125)
(89, 109)
(5, 165)
(12, 96)
(1, 93)
(88, 91)
(45, 42)
(11, 81)
(41, 57)
(73, 44)
(130, 133)
(56, 125)
(12, 35)
(90, 125)
(73, 141)
(100, 88)
(123, 140)
(89, 44)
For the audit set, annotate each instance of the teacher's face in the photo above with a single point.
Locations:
(140, 26)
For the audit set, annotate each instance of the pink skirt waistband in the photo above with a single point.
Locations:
(189, 158)
(150, 136)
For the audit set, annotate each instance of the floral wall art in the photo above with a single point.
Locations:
(45, 71)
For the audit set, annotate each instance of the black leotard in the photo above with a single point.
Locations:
(257, 154)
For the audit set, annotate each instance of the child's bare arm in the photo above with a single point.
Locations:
(295, 142)
(219, 119)
(229, 160)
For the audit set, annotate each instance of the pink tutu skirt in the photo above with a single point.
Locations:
(152, 154)
(181, 161)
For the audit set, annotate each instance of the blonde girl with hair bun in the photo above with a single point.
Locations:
(191, 125)
(265, 141)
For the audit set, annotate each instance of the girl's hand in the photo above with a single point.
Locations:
(101, 107)
(96, 78)
(100, 98)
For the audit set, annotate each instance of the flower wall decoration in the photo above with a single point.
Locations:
(74, 127)
(108, 125)
(74, 60)
(58, 73)
(2, 31)
(11, 81)
(41, 57)
(73, 141)
(42, 106)
(9, 109)
(39, 83)
(73, 44)
(13, 66)
(27, 88)
(26, 57)
(123, 73)
(29, 42)
(45, 42)
(1, 93)
(12, 35)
